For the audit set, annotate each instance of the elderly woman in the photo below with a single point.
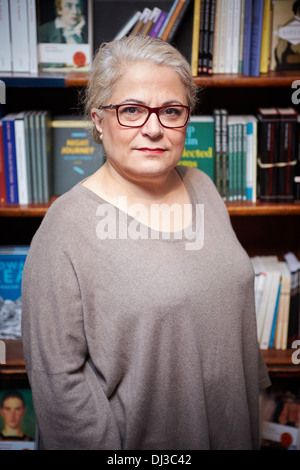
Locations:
(139, 326)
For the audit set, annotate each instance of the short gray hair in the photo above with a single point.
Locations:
(112, 59)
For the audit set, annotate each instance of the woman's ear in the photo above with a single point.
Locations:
(97, 119)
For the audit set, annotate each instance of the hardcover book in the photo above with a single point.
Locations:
(74, 153)
(200, 144)
(12, 260)
(65, 35)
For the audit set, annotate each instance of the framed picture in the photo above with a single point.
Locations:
(18, 430)
(64, 34)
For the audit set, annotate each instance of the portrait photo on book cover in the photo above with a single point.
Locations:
(17, 420)
(64, 33)
(286, 35)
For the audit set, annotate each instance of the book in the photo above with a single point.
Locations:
(45, 151)
(5, 50)
(201, 35)
(281, 411)
(218, 154)
(241, 38)
(294, 321)
(19, 35)
(236, 14)
(171, 21)
(283, 307)
(224, 154)
(265, 39)
(195, 37)
(170, 13)
(12, 260)
(127, 27)
(217, 37)
(199, 145)
(141, 23)
(20, 404)
(178, 21)
(251, 157)
(21, 162)
(75, 155)
(222, 34)
(297, 167)
(64, 48)
(285, 36)
(33, 155)
(268, 149)
(229, 35)
(158, 24)
(287, 158)
(256, 35)
(259, 281)
(2, 168)
(151, 21)
(205, 46)
(32, 36)
(247, 37)
(11, 178)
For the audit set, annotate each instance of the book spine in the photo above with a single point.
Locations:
(256, 34)
(21, 161)
(247, 37)
(151, 21)
(287, 159)
(33, 157)
(195, 37)
(241, 38)
(5, 49)
(11, 178)
(178, 20)
(230, 163)
(225, 155)
(217, 119)
(265, 39)
(19, 35)
(158, 24)
(236, 14)
(2, 168)
(216, 38)
(223, 36)
(297, 168)
(206, 37)
(212, 19)
(166, 22)
(244, 161)
(142, 22)
(32, 36)
(235, 163)
(172, 20)
(249, 163)
(228, 39)
(28, 156)
(201, 36)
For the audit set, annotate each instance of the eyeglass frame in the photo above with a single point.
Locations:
(150, 111)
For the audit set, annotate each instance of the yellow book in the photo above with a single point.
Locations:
(195, 37)
(265, 40)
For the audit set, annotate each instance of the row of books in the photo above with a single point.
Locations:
(244, 36)
(248, 157)
(41, 156)
(277, 301)
(35, 35)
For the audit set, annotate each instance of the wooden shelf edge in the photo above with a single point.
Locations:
(25, 210)
(270, 79)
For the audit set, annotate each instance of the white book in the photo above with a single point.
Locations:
(5, 43)
(273, 272)
(283, 307)
(229, 35)
(32, 36)
(251, 160)
(21, 159)
(236, 14)
(259, 281)
(221, 66)
(19, 35)
(128, 25)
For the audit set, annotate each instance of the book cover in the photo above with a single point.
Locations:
(19, 35)
(18, 428)
(74, 153)
(268, 149)
(5, 50)
(256, 35)
(65, 35)
(287, 158)
(2, 168)
(12, 260)
(285, 44)
(11, 178)
(281, 411)
(199, 145)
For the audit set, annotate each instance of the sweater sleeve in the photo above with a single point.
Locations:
(71, 406)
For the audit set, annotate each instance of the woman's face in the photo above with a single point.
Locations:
(151, 150)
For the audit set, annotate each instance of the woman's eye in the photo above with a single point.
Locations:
(130, 110)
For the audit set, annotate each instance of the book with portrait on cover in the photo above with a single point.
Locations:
(64, 35)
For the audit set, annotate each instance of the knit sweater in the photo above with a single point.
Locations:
(141, 342)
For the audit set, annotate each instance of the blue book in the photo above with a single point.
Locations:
(12, 260)
(256, 35)
(11, 178)
(247, 37)
(168, 18)
(272, 339)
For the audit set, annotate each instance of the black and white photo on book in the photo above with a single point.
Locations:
(64, 34)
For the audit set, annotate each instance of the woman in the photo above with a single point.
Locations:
(139, 327)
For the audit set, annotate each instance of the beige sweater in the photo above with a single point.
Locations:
(141, 344)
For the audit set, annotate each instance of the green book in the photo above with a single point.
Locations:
(199, 149)
(75, 154)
